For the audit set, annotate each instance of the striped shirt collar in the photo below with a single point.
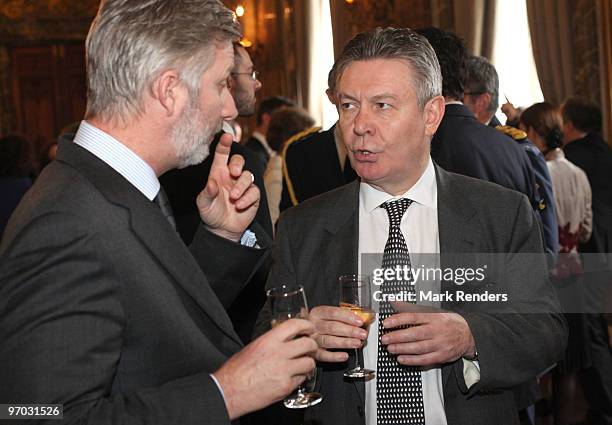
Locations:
(119, 157)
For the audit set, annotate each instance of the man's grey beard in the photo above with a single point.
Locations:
(191, 137)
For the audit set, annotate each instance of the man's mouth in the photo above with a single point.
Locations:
(364, 155)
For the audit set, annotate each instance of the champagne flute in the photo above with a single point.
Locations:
(288, 302)
(355, 296)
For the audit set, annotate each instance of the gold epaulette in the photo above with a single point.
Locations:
(515, 133)
(289, 141)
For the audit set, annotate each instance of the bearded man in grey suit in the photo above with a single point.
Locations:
(454, 366)
(103, 308)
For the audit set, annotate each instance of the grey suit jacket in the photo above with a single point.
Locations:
(318, 240)
(105, 310)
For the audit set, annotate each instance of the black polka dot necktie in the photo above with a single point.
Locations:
(399, 390)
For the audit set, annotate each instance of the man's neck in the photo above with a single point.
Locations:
(571, 135)
(135, 136)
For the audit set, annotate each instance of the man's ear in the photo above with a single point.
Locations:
(169, 92)
(483, 101)
(332, 97)
(432, 114)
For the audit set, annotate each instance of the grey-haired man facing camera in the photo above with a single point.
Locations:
(449, 367)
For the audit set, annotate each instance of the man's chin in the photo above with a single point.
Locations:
(196, 157)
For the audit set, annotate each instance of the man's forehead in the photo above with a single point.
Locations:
(376, 77)
(245, 58)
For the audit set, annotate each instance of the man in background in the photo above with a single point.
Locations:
(481, 96)
(315, 163)
(257, 142)
(462, 144)
(585, 147)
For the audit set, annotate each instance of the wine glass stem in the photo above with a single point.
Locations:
(357, 361)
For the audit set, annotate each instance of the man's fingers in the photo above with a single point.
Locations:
(222, 151)
(329, 341)
(210, 191)
(334, 328)
(413, 348)
(401, 319)
(302, 366)
(323, 355)
(429, 359)
(414, 333)
(301, 347)
(335, 314)
(241, 184)
(236, 166)
(251, 197)
(288, 330)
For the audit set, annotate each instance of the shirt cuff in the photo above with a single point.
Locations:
(218, 386)
(471, 372)
(248, 239)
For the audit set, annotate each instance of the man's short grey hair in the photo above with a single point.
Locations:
(394, 43)
(131, 42)
(482, 78)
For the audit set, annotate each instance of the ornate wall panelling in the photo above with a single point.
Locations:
(42, 73)
(352, 17)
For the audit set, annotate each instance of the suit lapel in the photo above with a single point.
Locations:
(154, 231)
(342, 245)
(455, 227)
(343, 249)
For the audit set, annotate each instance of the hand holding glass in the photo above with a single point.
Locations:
(355, 295)
(289, 302)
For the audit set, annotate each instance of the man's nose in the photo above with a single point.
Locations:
(228, 110)
(362, 123)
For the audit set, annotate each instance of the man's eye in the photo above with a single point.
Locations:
(382, 105)
(347, 105)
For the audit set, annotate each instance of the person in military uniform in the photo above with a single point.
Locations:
(481, 96)
(314, 164)
(464, 145)
(325, 149)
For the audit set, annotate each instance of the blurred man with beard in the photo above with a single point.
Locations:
(104, 309)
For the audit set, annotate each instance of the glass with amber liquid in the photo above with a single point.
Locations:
(355, 296)
(289, 302)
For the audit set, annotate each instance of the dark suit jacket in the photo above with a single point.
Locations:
(313, 167)
(494, 122)
(594, 156)
(260, 151)
(104, 309)
(463, 145)
(318, 240)
(182, 188)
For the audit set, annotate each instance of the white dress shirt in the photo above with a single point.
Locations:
(420, 229)
(273, 181)
(119, 157)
